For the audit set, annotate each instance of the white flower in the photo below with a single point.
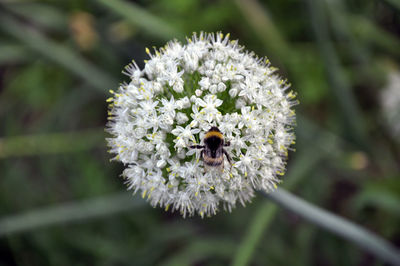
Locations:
(184, 135)
(181, 118)
(204, 83)
(390, 102)
(183, 91)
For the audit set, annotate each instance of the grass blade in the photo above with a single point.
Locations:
(299, 168)
(267, 211)
(264, 27)
(13, 53)
(58, 53)
(138, 16)
(259, 224)
(51, 143)
(69, 212)
(394, 3)
(340, 86)
(201, 249)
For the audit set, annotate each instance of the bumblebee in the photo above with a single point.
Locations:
(213, 151)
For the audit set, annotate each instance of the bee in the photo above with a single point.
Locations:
(212, 152)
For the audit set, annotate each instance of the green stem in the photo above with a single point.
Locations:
(337, 225)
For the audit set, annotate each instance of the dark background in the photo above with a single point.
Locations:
(63, 203)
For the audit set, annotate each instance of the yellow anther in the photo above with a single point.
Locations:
(147, 51)
(110, 99)
(167, 207)
(144, 194)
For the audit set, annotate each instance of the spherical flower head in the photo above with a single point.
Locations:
(159, 120)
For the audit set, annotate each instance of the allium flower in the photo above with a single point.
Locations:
(183, 91)
(390, 101)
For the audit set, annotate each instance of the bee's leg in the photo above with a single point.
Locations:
(202, 158)
(228, 157)
(197, 147)
(226, 144)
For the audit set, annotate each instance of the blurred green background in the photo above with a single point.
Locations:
(63, 203)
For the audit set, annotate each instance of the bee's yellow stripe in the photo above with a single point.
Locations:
(213, 134)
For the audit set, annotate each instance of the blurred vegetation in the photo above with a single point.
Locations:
(58, 59)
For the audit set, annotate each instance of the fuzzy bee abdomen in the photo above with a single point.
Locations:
(213, 161)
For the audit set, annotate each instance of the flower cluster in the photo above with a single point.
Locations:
(184, 90)
(390, 101)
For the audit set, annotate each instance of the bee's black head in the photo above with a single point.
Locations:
(214, 129)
